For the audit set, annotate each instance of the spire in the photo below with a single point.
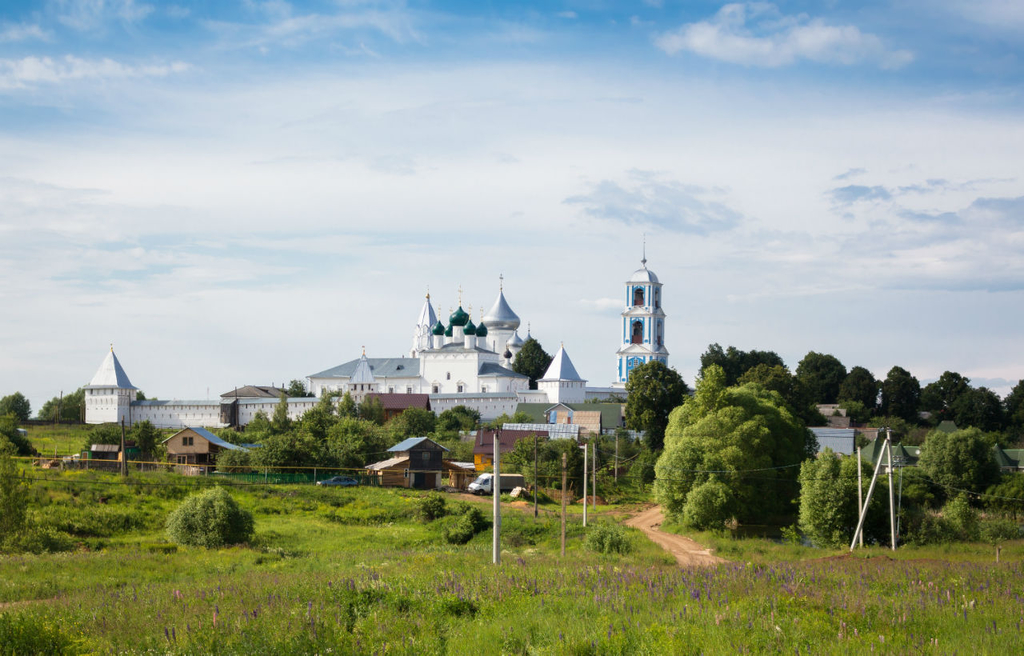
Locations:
(501, 282)
(643, 262)
(111, 374)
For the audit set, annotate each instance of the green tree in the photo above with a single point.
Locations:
(653, 391)
(371, 409)
(320, 418)
(778, 379)
(939, 396)
(296, 389)
(16, 404)
(900, 394)
(862, 386)
(708, 506)
(258, 426)
(413, 422)
(735, 362)
(72, 407)
(295, 448)
(12, 494)
(356, 442)
(281, 422)
(9, 431)
(347, 407)
(459, 418)
(519, 417)
(102, 434)
(145, 436)
(733, 429)
(959, 461)
(210, 519)
(822, 374)
(1014, 407)
(1008, 495)
(979, 407)
(828, 499)
(532, 360)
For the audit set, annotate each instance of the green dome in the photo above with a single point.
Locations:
(470, 329)
(459, 317)
(438, 328)
(481, 331)
(448, 331)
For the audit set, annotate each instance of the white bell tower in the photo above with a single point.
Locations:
(109, 395)
(643, 323)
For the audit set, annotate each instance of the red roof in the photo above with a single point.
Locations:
(507, 439)
(403, 401)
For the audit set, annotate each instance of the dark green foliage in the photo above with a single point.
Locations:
(735, 362)
(72, 407)
(371, 409)
(16, 404)
(459, 418)
(413, 422)
(431, 507)
(778, 379)
(464, 521)
(355, 443)
(860, 385)
(296, 389)
(653, 391)
(999, 530)
(828, 499)
(938, 397)
(979, 407)
(608, 539)
(504, 418)
(9, 431)
(822, 375)
(103, 434)
(319, 420)
(210, 519)
(1008, 496)
(259, 426)
(1014, 406)
(900, 394)
(12, 494)
(962, 518)
(281, 422)
(145, 436)
(233, 460)
(959, 461)
(549, 461)
(532, 360)
(347, 406)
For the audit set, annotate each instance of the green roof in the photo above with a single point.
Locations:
(611, 413)
(459, 317)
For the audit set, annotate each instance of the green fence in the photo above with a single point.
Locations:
(295, 478)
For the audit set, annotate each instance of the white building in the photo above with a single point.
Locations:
(643, 323)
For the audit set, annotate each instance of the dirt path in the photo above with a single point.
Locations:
(687, 552)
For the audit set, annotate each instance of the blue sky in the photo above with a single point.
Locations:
(249, 192)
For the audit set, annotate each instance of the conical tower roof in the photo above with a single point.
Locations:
(561, 367)
(427, 315)
(363, 372)
(110, 374)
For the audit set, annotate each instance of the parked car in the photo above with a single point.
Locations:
(344, 481)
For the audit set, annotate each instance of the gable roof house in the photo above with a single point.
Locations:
(396, 404)
(195, 450)
(417, 462)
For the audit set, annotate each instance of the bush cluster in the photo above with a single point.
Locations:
(210, 519)
(608, 539)
(431, 507)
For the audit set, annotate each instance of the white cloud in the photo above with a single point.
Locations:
(20, 73)
(13, 33)
(756, 34)
(1000, 14)
(566, 14)
(86, 15)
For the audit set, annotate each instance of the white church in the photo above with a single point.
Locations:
(455, 364)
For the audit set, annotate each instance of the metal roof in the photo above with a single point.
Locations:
(381, 368)
(501, 316)
(561, 368)
(840, 440)
(385, 464)
(210, 437)
(643, 274)
(412, 442)
(553, 430)
(111, 374)
(427, 316)
(495, 369)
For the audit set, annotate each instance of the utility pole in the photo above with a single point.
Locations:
(60, 401)
(593, 473)
(860, 492)
(124, 457)
(616, 456)
(585, 485)
(565, 460)
(892, 503)
(535, 480)
(867, 502)
(496, 493)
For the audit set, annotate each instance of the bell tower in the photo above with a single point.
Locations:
(643, 322)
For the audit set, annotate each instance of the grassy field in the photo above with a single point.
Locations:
(354, 571)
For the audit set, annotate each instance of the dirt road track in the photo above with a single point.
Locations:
(687, 552)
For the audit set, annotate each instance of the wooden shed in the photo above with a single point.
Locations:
(418, 462)
(195, 450)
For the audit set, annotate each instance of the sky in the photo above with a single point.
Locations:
(249, 192)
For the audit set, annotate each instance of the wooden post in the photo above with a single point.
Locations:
(860, 493)
(585, 454)
(535, 481)
(565, 459)
(124, 456)
(496, 493)
(616, 456)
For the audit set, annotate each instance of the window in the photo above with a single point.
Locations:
(426, 455)
(460, 388)
(638, 333)
(638, 296)
(408, 390)
(435, 388)
(448, 376)
(391, 390)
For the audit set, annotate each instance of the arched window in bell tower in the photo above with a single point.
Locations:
(638, 333)
(638, 296)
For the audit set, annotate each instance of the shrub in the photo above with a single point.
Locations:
(459, 531)
(431, 507)
(962, 518)
(998, 530)
(707, 506)
(608, 539)
(928, 528)
(209, 519)
(23, 634)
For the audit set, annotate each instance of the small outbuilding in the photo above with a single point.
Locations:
(417, 462)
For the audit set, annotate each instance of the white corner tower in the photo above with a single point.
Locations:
(109, 395)
(643, 322)
(561, 382)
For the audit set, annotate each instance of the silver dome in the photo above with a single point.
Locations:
(501, 316)
(643, 274)
(515, 341)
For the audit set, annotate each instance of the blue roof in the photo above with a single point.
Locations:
(495, 369)
(390, 367)
(213, 439)
(409, 443)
